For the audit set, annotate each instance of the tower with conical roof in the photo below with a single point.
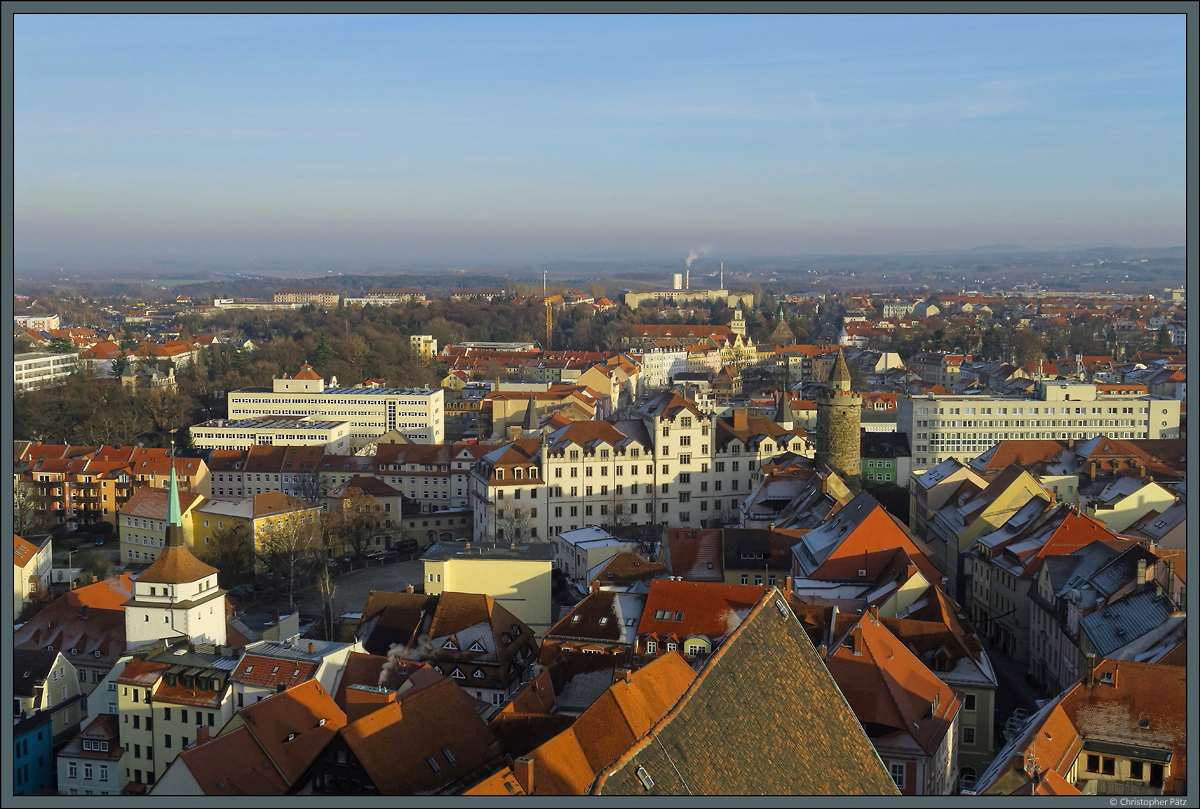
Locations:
(529, 425)
(839, 417)
(177, 596)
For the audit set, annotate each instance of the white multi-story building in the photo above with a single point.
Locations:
(280, 431)
(670, 464)
(963, 427)
(36, 369)
(415, 413)
(36, 322)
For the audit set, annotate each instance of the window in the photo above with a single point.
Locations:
(968, 735)
(1093, 763)
(1108, 765)
(897, 770)
(167, 740)
(1137, 771)
(651, 647)
(969, 702)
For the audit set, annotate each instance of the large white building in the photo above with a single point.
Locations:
(963, 427)
(672, 463)
(279, 431)
(37, 369)
(415, 413)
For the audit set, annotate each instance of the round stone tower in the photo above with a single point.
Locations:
(839, 414)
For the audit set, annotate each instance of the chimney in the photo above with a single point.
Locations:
(832, 624)
(312, 647)
(1089, 679)
(523, 770)
(280, 688)
(191, 646)
(201, 735)
(275, 616)
(595, 586)
(856, 640)
(1141, 573)
(409, 589)
(822, 650)
(740, 419)
(361, 700)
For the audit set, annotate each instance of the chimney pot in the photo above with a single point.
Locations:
(311, 647)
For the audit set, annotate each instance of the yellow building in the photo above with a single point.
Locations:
(258, 514)
(142, 523)
(516, 577)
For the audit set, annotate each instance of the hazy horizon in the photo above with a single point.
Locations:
(443, 139)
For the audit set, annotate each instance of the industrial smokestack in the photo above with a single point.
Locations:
(687, 278)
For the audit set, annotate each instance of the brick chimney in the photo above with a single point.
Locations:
(856, 640)
(362, 701)
(201, 735)
(523, 770)
(740, 419)
(312, 648)
(1089, 679)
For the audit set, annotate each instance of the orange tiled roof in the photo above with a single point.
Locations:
(24, 551)
(175, 565)
(233, 764)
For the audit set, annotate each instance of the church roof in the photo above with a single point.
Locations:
(176, 565)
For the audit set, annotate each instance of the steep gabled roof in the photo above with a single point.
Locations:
(894, 695)
(685, 608)
(392, 743)
(762, 717)
(233, 764)
(292, 727)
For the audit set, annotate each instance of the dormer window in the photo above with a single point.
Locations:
(450, 645)
(477, 647)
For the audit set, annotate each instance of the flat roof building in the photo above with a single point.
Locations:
(415, 413)
(284, 431)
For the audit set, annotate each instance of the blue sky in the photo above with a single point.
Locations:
(512, 138)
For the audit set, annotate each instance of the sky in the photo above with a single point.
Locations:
(427, 138)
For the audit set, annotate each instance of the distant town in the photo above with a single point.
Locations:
(708, 531)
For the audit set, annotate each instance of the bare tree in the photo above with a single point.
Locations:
(27, 520)
(232, 553)
(513, 526)
(290, 549)
(328, 590)
(356, 521)
(309, 486)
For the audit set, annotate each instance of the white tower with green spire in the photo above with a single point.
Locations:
(177, 596)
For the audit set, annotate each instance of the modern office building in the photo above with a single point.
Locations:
(415, 413)
(37, 369)
(963, 427)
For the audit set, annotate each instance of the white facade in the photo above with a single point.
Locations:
(279, 432)
(665, 467)
(415, 413)
(36, 322)
(191, 609)
(963, 427)
(576, 552)
(38, 369)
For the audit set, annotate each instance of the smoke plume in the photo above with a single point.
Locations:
(695, 253)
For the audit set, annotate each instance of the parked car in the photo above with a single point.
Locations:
(99, 542)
